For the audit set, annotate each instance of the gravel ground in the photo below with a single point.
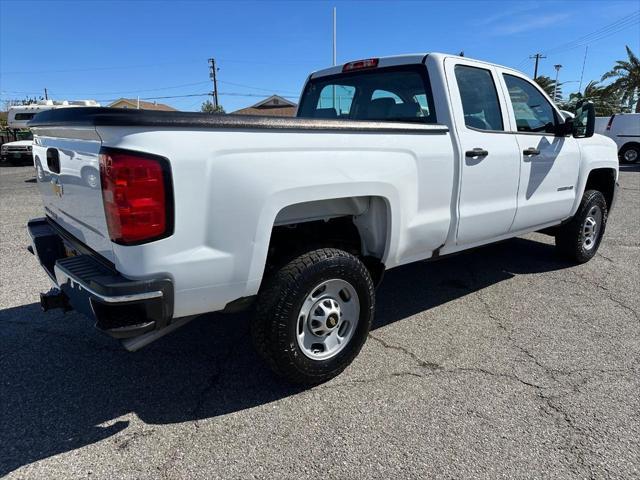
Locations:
(502, 362)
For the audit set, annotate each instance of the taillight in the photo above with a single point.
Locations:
(360, 64)
(137, 196)
(610, 122)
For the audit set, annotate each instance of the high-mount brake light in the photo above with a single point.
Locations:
(360, 64)
(610, 122)
(137, 196)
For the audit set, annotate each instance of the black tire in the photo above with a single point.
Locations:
(570, 239)
(627, 149)
(274, 327)
(91, 177)
(40, 174)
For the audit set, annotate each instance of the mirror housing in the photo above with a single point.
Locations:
(584, 123)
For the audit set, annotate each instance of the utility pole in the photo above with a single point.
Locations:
(46, 94)
(212, 76)
(555, 85)
(537, 56)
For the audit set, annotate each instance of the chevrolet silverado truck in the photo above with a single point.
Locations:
(389, 161)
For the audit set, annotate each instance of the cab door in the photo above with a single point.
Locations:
(549, 162)
(490, 163)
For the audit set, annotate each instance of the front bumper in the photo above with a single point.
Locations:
(22, 157)
(121, 307)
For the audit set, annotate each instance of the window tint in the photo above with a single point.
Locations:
(335, 101)
(391, 94)
(479, 98)
(25, 116)
(533, 111)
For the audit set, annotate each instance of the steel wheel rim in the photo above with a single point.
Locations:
(39, 172)
(631, 155)
(591, 228)
(328, 319)
(92, 180)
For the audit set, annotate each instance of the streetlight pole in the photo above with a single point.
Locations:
(334, 54)
(555, 85)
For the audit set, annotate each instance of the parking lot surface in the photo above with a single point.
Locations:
(502, 362)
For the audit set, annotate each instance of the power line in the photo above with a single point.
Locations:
(599, 34)
(91, 69)
(271, 90)
(151, 65)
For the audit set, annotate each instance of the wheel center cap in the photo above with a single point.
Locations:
(332, 320)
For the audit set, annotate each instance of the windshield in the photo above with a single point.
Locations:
(390, 94)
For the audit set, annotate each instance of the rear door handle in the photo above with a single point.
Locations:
(476, 152)
(531, 151)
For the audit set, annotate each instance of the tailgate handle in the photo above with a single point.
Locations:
(53, 160)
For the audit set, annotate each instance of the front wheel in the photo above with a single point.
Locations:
(313, 315)
(579, 239)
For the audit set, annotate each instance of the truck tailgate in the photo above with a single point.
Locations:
(69, 184)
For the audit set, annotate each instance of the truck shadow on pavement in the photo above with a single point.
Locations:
(65, 386)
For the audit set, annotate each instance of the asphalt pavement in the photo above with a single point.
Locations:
(505, 362)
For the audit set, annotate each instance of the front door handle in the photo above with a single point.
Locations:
(531, 151)
(476, 152)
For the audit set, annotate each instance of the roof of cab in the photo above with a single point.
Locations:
(406, 59)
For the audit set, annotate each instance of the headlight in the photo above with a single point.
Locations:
(4, 148)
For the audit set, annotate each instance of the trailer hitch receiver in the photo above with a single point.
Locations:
(54, 298)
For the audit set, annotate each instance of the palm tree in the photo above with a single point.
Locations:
(548, 84)
(604, 99)
(627, 79)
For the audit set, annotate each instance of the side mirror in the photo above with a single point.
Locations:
(584, 123)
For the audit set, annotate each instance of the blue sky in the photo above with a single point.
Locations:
(106, 50)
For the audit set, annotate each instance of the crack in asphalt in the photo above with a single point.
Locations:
(213, 379)
(546, 400)
(609, 259)
(599, 286)
(421, 362)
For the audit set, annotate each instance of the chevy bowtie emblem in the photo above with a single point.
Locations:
(57, 188)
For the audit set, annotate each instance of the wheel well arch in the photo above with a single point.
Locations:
(631, 143)
(603, 180)
(360, 225)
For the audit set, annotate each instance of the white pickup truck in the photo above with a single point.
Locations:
(389, 161)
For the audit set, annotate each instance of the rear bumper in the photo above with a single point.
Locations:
(121, 307)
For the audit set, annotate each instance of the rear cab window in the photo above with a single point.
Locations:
(479, 97)
(382, 94)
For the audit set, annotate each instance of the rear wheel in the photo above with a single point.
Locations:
(579, 239)
(630, 153)
(313, 315)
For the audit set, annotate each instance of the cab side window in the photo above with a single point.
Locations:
(532, 110)
(479, 98)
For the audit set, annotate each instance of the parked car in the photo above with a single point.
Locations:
(624, 129)
(19, 116)
(390, 161)
(18, 152)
